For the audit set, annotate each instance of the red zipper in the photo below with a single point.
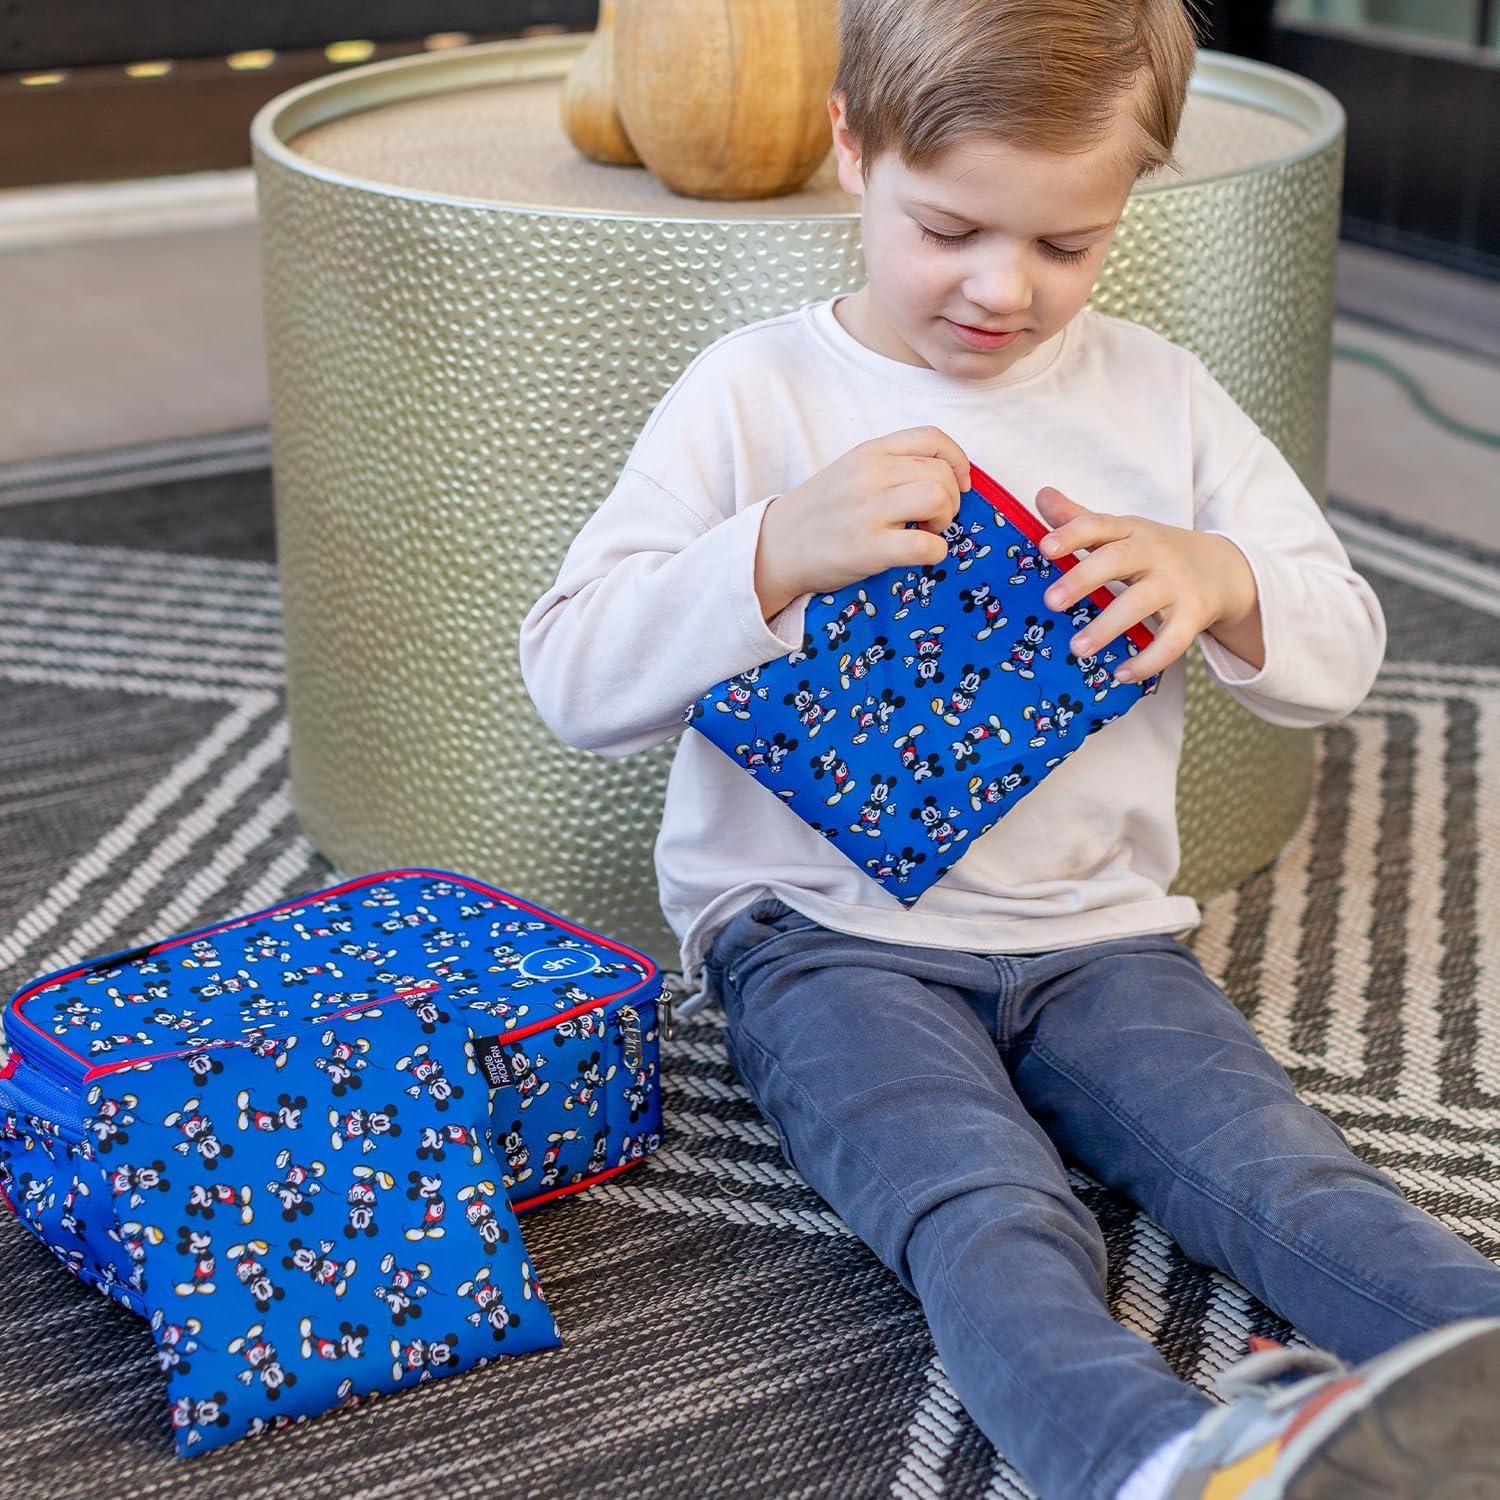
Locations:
(1028, 525)
(527, 1204)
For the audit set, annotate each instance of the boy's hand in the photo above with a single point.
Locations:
(1194, 581)
(850, 520)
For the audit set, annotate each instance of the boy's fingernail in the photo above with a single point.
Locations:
(1054, 596)
(1048, 545)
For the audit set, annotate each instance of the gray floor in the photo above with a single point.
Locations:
(156, 338)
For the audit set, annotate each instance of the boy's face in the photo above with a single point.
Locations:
(1015, 220)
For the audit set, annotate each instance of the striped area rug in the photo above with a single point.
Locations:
(724, 1333)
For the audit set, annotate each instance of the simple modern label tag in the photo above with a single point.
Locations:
(558, 963)
(502, 1067)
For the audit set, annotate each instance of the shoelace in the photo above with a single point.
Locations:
(1251, 1375)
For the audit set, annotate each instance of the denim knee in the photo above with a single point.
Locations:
(980, 1226)
(1272, 1167)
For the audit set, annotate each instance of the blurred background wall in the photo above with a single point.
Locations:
(93, 90)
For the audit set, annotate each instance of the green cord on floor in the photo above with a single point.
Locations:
(1418, 395)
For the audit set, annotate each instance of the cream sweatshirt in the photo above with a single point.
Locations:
(655, 603)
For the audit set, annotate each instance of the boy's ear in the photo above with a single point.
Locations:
(845, 149)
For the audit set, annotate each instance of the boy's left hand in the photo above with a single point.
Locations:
(1192, 580)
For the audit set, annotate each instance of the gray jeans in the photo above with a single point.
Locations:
(931, 1099)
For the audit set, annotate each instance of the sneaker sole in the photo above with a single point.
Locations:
(1426, 1429)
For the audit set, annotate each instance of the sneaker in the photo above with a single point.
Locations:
(1419, 1422)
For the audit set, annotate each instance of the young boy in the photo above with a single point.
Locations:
(929, 1070)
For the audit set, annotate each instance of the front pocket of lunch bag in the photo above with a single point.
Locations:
(374, 1200)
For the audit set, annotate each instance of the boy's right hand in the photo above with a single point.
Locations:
(850, 520)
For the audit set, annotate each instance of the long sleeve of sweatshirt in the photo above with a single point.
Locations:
(1322, 628)
(660, 605)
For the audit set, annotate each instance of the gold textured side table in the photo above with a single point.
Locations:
(468, 323)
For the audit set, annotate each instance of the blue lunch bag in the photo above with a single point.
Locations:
(296, 1142)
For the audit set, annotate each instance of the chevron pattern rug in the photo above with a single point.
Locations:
(724, 1333)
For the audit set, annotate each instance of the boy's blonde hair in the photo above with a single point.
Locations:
(918, 76)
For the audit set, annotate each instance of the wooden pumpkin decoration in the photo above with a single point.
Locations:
(727, 98)
(589, 110)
